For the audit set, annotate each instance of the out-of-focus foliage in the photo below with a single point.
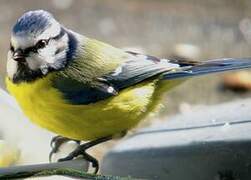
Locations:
(9, 154)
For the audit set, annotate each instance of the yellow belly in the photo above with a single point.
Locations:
(45, 106)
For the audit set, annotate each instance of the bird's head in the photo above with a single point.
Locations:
(38, 46)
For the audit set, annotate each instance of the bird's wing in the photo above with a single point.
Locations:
(135, 69)
(207, 67)
(138, 69)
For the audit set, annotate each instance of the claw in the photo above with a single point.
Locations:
(81, 150)
(94, 161)
(56, 143)
(50, 155)
(53, 140)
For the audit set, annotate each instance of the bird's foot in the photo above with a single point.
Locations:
(81, 150)
(56, 143)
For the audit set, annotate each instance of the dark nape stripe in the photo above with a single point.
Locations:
(72, 46)
(61, 34)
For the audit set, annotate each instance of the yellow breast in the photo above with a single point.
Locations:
(45, 106)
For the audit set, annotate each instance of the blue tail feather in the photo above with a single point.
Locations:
(210, 66)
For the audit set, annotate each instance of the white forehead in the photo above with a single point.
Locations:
(20, 40)
(52, 31)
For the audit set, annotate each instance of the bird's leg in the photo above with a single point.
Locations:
(56, 142)
(81, 150)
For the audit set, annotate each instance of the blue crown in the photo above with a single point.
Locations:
(33, 22)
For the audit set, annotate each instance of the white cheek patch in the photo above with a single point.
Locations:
(47, 57)
(11, 66)
(34, 62)
(42, 58)
(48, 53)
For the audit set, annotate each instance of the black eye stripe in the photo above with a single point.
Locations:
(30, 49)
(35, 49)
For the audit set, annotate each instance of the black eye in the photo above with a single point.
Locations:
(41, 44)
(11, 48)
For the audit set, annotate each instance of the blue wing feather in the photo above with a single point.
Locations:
(134, 70)
(210, 66)
(138, 69)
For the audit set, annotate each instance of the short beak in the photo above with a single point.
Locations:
(19, 56)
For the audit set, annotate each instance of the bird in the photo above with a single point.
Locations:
(86, 90)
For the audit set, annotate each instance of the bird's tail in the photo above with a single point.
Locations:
(210, 66)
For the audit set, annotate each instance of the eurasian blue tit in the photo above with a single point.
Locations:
(87, 90)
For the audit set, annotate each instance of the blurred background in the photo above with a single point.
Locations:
(191, 29)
